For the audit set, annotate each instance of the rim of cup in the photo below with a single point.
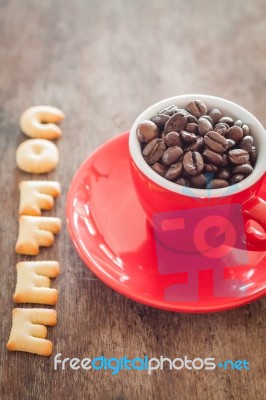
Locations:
(229, 109)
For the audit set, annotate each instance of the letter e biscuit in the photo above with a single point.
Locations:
(33, 282)
(28, 330)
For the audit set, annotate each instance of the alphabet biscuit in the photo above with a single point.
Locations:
(33, 283)
(37, 156)
(35, 232)
(36, 196)
(39, 122)
(28, 330)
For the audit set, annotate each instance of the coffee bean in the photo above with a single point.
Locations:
(183, 111)
(153, 151)
(210, 168)
(238, 156)
(173, 139)
(192, 127)
(146, 131)
(243, 169)
(246, 143)
(236, 179)
(204, 126)
(197, 108)
(160, 120)
(217, 184)
(197, 145)
(174, 171)
(169, 110)
(215, 115)
(206, 116)
(213, 157)
(198, 181)
(193, 162)
(175, 123)
(227, 120)
(225, 162)
(230, 144)
(188, 136)
(171, 155)
(238, 123)
(182, 181)
(245, 130)
(234, 133)
(221, 128)
(215, 142)
(191, 119)
(253, 155)
(159, 168)
(223, 173)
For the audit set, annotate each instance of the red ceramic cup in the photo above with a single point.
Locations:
(157, 194)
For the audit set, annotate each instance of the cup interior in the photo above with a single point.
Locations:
(228, 108)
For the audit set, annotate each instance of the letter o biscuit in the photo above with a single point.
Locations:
(40, 122)
(37, 156)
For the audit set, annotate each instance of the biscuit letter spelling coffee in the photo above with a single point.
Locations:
(35, 232)
(40, 122)
(36, 196)
(28, 330)
(33, 282)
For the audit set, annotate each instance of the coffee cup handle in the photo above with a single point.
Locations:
(255, 210)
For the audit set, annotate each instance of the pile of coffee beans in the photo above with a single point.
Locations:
(197, 147)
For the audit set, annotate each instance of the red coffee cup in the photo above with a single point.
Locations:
(158, 195)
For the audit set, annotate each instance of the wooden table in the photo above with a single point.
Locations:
(103, 63)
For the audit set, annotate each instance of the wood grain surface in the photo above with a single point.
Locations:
(103, 62)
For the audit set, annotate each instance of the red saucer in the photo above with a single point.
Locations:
(112, 236)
